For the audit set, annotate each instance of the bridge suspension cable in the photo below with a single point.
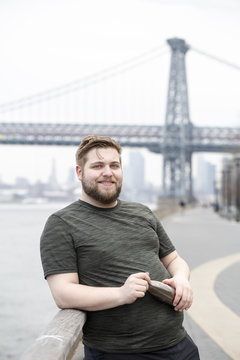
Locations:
(86, 81)
(225, 62)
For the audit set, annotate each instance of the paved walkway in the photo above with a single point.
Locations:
(211, 246)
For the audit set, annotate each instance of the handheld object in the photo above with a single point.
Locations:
(161, 291)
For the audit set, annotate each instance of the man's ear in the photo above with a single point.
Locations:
(79, 172)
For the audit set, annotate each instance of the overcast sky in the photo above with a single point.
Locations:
(45, 44)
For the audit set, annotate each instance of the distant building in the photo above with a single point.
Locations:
(205, 178)
(52, 180)
(72, 177)
(22, 182)
(134, 187)
(230, 188)
(136, 170)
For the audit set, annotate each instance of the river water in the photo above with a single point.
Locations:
(26, 305)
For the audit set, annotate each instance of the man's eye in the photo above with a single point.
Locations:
(115, 166)
(96, 166)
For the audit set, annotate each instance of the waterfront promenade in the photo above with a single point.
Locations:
(211, 246)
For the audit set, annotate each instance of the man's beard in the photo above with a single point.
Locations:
(105, 197)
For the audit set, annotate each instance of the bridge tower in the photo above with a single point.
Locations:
(177, 169)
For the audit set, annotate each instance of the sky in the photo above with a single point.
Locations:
(46, 44)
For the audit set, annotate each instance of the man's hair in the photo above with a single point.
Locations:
(92, 141)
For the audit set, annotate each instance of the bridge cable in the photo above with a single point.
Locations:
(237, 67)
(85, 81)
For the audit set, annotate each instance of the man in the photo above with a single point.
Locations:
(98, 255)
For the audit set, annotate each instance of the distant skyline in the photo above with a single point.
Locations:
(67, 156)
(47, 44)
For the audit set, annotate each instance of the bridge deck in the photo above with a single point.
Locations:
(201, 139)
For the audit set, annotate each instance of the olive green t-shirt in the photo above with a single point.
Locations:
(104, 246)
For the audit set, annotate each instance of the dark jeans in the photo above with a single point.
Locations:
(185, 350)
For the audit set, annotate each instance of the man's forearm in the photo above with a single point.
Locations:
(88, 298)
(179, 267)
(68, 293)
(179, 270)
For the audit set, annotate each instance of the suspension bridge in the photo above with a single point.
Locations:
(177, 139)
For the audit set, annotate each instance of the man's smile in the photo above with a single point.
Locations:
(106, 183)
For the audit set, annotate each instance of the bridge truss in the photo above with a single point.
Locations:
(176, 140)
(154, 138)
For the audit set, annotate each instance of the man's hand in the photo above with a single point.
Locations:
(134, 287)
(183, 292)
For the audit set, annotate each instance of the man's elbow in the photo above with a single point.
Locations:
(61, 298)
(61, 291)
(62, 305)
(61, 302)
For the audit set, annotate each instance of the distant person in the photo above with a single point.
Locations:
(98, 255)
(182, 205)
(216, 207)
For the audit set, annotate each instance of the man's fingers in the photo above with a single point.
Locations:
(140, 285)
(142, 275)
(183, 301)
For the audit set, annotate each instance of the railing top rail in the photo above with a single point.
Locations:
(59, 339)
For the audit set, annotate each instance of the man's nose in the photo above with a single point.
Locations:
(107, 171)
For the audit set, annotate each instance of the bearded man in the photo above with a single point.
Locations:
(99, 255)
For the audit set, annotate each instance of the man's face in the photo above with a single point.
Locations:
(101, 177)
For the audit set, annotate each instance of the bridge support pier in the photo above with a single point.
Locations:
(177, 156)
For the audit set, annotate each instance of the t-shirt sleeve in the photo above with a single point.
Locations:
(57, 250)
(166, 245)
